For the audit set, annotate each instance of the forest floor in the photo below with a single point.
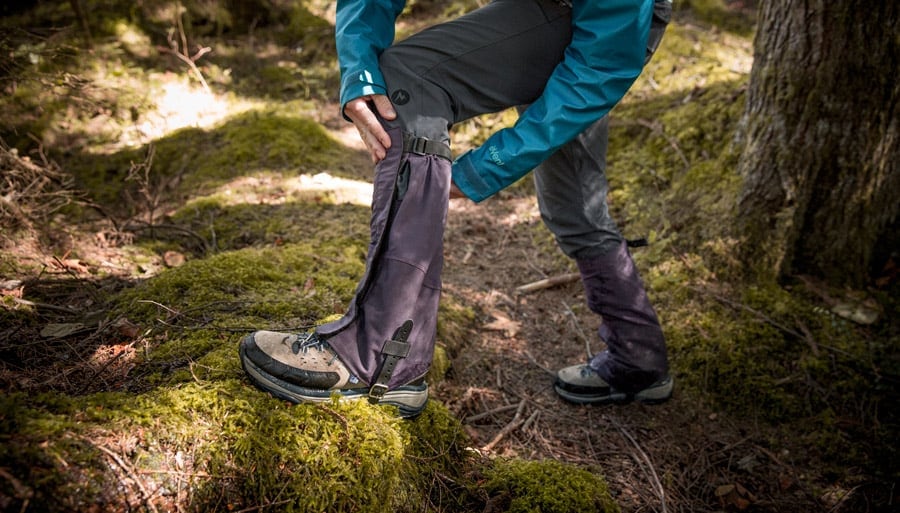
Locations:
(695, 453)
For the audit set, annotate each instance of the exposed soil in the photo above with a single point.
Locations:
(678, 456)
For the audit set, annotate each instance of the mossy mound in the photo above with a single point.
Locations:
(221, 445)
(518, 486)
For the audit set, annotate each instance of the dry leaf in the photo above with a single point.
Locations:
(74, 265)
(503, 323)
(61, 329)
(126, 328)
(173, 259)
(309, 288)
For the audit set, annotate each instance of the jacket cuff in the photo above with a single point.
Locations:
(468, 180)
(361, 83)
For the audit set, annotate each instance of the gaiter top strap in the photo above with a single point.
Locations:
(393, 351)
(423, 146)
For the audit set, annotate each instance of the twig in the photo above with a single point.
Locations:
(151, 226)
(507, 429)
(587, 342)
(20, 490)
(546, 283)
(340, 418)
(485, 414)
(45, 306)
(536, 364)
(657, 128)
(172, 311)
(741, 306)
(771, 456)
(808, 336)
(128, 470)
(263, 506)
(183, 473)
(531, 419)
(656, 481)
(181, 51)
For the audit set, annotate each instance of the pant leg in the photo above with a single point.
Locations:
(453, 71)
(572, 186)
(571, 190)
(491, 59)
(403, 268)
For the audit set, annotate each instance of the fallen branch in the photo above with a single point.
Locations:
(538, 365)
(45, 306)
(587, 342)
(658, 484)
(181, 51)
(546, 283)
(479, 416)
(507, 429)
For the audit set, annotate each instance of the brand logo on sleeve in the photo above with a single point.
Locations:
(495, 155)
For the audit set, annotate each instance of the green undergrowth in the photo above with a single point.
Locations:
(239, 446)
(518, 486)
(194, 426)
(195, 161)
(770, 352)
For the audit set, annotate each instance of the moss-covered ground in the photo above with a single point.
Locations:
(198, 211)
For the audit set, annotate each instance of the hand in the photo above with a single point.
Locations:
(455, 192)
(362, 112)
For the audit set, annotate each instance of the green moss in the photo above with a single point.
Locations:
(454, 323)
(200, 160)
(720, 14)
(544, 486)
(251, 448)
(328, 227)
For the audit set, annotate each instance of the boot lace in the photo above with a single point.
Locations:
(308, 341)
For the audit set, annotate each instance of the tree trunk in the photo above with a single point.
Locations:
(821, 136)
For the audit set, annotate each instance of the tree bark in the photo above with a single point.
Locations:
(821, 138)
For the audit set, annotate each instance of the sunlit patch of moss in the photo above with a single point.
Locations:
(719, 14)
(535, 486)
(134, 40)
(296, 281)
(440, 365)
(454, 323)
(233, 227)
(436, 463)
(244, 447)
(196, 160)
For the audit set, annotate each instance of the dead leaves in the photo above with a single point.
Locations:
(503, 323)
(735, 495)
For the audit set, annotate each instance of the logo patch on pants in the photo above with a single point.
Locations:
(400, 97)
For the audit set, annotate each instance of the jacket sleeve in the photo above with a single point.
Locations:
(603, 60)
(363, 29)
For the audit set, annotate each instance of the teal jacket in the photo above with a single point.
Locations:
(606, 55)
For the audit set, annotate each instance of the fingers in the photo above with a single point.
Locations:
(384, 107)
(370, 130)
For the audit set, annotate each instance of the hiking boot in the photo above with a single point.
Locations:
(583, 385)
(304, 368)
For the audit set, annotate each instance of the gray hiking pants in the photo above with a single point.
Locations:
(494, 58)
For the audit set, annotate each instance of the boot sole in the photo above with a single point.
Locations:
(650, 397)
(410, 400)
